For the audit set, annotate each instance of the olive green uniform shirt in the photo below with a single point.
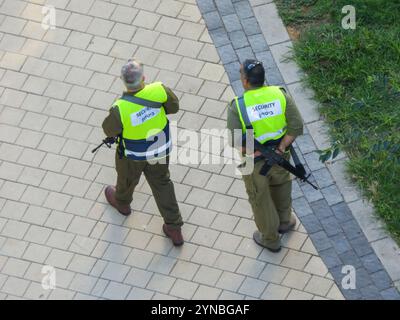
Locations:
(293, 117)
(112, 125)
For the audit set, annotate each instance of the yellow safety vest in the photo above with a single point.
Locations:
(145, 133)
(263, 110)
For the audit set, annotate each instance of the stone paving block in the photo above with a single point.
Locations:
(361, 246)
(238, 39)
(191, 30)
(293, 240)
(59, 239)
(332, 195)
(205, 256)
(251, 267)
(230, 281)
(250, 26)
(227, 54)
(299, 295)
(342, 212)
(245, 53)
(205, 292)
(137, 277)
(301, 207)
(15, 267)
(321, 240)
(213, 20)
(311, 224)
(371, 226)
(37, 234)
(316, 266)
(252, 287)
(116, 291)
(15, 286)
(381, 280)
(390, 294)
(36, 253)
(227, 261)
(296, 260)
(219, 37)
(275, 292)
(228, 295)
(331, 226)
(371, 263)
(161, 283)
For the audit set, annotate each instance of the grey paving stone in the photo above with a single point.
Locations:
(311, 224)
(370, 293)
(361, 246)
(312, 160)
(238, 39)
(225, 7)
(232, 23)
(330, 257)
(258, 43)
(243, 9)
(342, 212)
(331, 226)
(311, 194)
(381, 280)
(245, 53)
(321, 209)
(352, 229)
(371, 263)
(213, 20)
(363, 278)
(206, 5)
(250, 26)
(219, 37)
(305, 144)
(232, 69)
(227, 54)
(340, 243)
(301, 207)
(390, 294)
(323, 177)
(268, 61)
(332, 195)
(321, 241)
(296, 190)
(350, 258)
(352, 294)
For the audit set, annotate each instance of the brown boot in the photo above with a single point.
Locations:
(286, 227)
(124, 209)
(175, 234)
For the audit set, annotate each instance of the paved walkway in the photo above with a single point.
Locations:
(56, 87)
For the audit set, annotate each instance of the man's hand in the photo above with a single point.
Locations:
(280, 150)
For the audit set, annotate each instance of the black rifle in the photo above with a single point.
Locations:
(271, 158)
(107, 141)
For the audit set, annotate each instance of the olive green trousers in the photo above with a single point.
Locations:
(271, 201)
(158, 177)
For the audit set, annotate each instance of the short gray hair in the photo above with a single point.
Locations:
(132, 74)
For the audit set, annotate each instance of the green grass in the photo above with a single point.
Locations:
(356, 77)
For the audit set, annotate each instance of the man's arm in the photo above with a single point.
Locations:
(171, 106)
(112, 126)
(294, 124)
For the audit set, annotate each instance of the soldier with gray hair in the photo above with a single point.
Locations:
(139, 120)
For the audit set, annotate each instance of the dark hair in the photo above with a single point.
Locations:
(254, 72)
